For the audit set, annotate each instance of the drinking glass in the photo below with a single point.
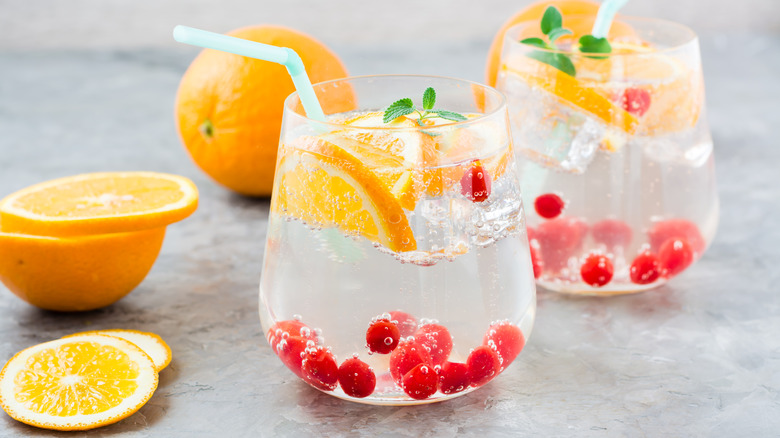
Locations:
(616, 159)
(397, 268)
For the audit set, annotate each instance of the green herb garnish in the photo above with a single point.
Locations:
(403, 107)
(552, 23)
(552, 28)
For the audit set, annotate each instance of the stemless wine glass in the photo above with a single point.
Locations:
(615, 155)
(397, 268)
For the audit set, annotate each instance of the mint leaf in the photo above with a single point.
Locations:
(551, 20)
(557, 33)
(557, 60)
(591, 44)
(450, 115)
(397, 109)
(536, 42)
(429, 98)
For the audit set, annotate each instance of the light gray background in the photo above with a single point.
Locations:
(89, 86)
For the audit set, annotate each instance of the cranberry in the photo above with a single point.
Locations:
(597, 270)
(406, 323)
(356, 378)
(674, 256)
(291, 327)
(453, 377)
(420, 382)
(437, 340)
(507, 339)
(476, 182)
(612, 233)
(290, 350)
(382, 336)
(559, 239)
(636, 101)
(484, 364)
(683, 229)
(408, 355)
(320, 369)
(645, 268)
(548, 205)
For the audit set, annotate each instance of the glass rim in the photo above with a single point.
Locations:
(501, 105)
(690, 38)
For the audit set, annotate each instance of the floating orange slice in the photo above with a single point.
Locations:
(77, 383)
(324, 185)
(99, 203)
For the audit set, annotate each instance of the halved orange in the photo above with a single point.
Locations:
(77, 383)
(99, 203)
(324, 185)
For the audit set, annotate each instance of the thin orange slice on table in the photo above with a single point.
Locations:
(571, 90)
(77, 383)
(323, 185)
(99, 203)
(152, 344)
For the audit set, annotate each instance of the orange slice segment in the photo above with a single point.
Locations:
(77, 383)
(324, 185)
(152, 344)
(99, 203)
(540, 75)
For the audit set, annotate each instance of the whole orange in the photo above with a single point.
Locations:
(229, 107)
(568, 8)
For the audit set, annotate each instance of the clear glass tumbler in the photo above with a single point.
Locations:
(616, 158)
(397, 268)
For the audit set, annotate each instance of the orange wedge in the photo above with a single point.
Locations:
(152, 344)
(99, 203)
(77, 383)
(324, 185)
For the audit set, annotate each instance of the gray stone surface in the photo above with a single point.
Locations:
(699, 357)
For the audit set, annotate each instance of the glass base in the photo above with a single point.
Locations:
(586, 290)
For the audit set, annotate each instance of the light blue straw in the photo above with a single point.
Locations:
(280, 55)
(604, 17)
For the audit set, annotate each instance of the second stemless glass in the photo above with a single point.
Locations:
(622, 146)
(397, 268)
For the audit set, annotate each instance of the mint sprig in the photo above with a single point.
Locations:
(404, 107)
(591, 44)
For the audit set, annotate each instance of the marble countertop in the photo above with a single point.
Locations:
(698, 357)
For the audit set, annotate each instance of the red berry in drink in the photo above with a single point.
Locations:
(612, 233)
(476, 183)
(406, 356)
(548, 205)
(356, 378)
(437, 340)
(559, 239)
(484, 364)
(290, 350)
(645, 269)
(536, 259)
(674, 256)
(453, 377)
(507, 339)
(292, 327)
(320, 369)
(636, 101)
(682, 229)
(382, 336)
(407, 324)
(597, 270)
(420, 382)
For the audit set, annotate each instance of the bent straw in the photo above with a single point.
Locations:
(280, 55)
(604, 17)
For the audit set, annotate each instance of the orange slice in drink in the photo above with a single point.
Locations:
(99, 203)
(324, 185)
(77, 383)
(571, 90)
